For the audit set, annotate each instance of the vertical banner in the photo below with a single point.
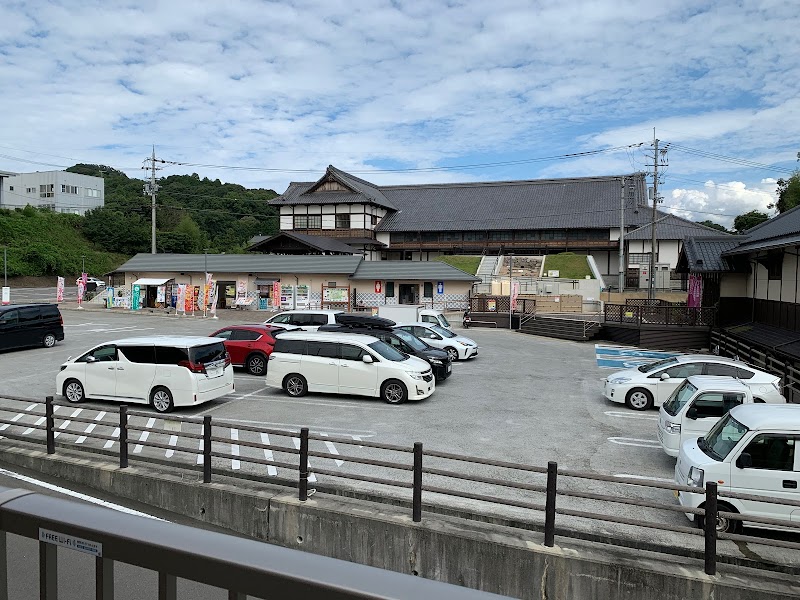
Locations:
(514, 294)
(60, 290)
(85, 278)
(195, 297)
(109, 297)
(161, 293)
(135, 296)
(81, 290)
(180, 300)
(695, 299)
(214, 293)
(6, 296)
(241, 292)
(276, 294)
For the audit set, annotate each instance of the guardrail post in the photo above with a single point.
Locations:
(123, 437)
(417, 490)
(303, 484)
(207, 449)
(50, 423)
(711, 528)
(550, 505)
(48, 572)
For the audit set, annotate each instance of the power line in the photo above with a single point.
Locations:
(729, 159)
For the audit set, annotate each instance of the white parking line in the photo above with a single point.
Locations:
(662, 479)
(311, 477)
(358, 404)
(91, 427)
(173, 441)
(332, 449)
(268, 455)
(38, 422)
(235, 464)
(144, 436)
(66, 423)
(626, 415)
(623, 441)
(200, 454)
(110, 443)
(17, 417)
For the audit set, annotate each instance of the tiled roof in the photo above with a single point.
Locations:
(363, 192)
(433, 270)
(318, 242)
(704, 254)
(240, 263)
(671, 227)
(782, 230)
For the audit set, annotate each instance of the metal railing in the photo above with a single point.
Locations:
(420, 480)
(659, 315)
(239, 566)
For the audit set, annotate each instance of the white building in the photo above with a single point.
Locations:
(60, 191)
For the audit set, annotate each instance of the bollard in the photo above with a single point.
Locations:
(710, 529)
(123, 437)
(51, 424)
(417, 491)
(550, 505)
(206, 449)
(303, 488)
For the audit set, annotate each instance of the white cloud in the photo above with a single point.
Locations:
(721, 202)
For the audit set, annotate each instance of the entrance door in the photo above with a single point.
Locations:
(408, 293)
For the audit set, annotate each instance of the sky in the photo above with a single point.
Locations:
(397, 92)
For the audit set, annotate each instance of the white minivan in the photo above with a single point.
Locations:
(347, 364)
(751, 450)
(164, 371)
(309, 319)
(695, 406)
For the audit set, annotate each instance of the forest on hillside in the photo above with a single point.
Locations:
(192, 215)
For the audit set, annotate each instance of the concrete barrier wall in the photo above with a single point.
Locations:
(479, 555)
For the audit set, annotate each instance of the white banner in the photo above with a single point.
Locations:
(181, 306)
(214, 292)
(60, 290)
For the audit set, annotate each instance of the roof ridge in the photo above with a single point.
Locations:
(507, 182)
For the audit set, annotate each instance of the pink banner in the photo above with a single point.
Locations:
(60, 290)
(695, 299)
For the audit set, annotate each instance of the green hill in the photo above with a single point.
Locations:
(466, 263)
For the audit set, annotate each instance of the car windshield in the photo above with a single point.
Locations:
(679, 398)
(388, 352)
(443, 332)
(443, 319)
(722, 438)
(649, 368)
(411, 340)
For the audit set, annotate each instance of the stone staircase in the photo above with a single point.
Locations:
(524, 266)
(561, 327)
(486, 271)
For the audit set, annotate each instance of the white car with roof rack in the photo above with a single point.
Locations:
(650, 385)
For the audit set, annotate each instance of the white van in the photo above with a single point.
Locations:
(347, 364)
(749, 451)
(307, 319)
(434, 316)
(163, 371)
(695, 406)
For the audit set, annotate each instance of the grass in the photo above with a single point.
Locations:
(468, 264)
(568, 264)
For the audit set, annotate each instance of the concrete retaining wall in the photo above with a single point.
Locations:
(474, 554)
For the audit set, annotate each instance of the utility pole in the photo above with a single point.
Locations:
(5, 266)
(657, 158)
(510, 288)
(621, 280)
(151, 188)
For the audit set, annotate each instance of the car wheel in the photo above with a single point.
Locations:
(49, 340)
(161, 399)
(394, 392)
(295, 385)
(639, 399)
(73, 391)
(452, 353)
(724, 524)
(256, 364)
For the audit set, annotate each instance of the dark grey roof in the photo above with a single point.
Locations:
(777, 232)
(240, 263)
(363, 192)
(704, 254)
(433, 270)
(586, 202)
(319, 242)
(671, 227)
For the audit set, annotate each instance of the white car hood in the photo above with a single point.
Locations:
(628, 373)
(415, 364)
(463, 340)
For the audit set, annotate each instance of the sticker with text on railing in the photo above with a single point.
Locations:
(70, 541)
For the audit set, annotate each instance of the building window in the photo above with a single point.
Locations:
(775, 267)
(374, 220)
(499, 236)
(11, 188)
(389, 287)
(450, 236)
(639, 258)
(90, 192)
(30, 190)
(69, 189)
(430, 236)
(474, 236)
(47, 190)
(427, 289)
(343, 221)
(308, 222)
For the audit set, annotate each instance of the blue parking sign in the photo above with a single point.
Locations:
(440, 287)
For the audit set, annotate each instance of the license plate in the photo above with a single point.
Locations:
(215, 369)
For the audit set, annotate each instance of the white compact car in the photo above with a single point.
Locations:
(309, 320)
(751, 450)
(163, 371)
(457, 346)
(650, 385)
(347, 364)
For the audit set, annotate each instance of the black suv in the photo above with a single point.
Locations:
(381, 328)
(24, 325)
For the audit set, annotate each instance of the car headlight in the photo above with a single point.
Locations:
(672, 427)
(695, 478)
(434, 361)
(415, 375)
(619, 380)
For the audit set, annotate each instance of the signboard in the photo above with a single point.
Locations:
(6, 295)
(161, 293)
(134, 296)
(514, 294)
(553, 273)
(241, 291)
(302, 296)
(180, 301)
(60, 290)
(335, 295)
(440, 287)
(287, 297)
(491, 305)
(195, 297)
(378, 287)
(276, 293)
(81, 291)
(70, 541)
(109, 297)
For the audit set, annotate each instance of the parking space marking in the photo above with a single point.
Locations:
(235, 464)
(173, 441)
(200, 454)
(332, 449)
(272, 471)
(143, 437)
(90, 427)
(629, 476)
(17, 417)
(620, 414)
(115, 434)
(311, 477)
(311, 403)
(66, 423)
(623, 441)
(294, 427)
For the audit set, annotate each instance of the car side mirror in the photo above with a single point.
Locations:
(745, 461)
(91, 359)
(664, 376)
(691, 413)
(367, 359)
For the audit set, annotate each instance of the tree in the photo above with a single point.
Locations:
(713, 225)
(748, 220)
(788, 192)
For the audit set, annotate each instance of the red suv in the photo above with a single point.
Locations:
(249, 345)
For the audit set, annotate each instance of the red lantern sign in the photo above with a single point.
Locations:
(378, 287)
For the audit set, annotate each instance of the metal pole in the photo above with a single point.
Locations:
(5, 266)
(303, 483)
(123, 437)
(207, 449)
(153, 203)
(710, 528)
(206, 289)
(416, 508)
(510, 285)
(83, 264)
(621, 280)
(652, 291)
(50, 422)
(550, 505)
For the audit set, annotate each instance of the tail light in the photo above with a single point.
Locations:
(193, 367)
(227, 359)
